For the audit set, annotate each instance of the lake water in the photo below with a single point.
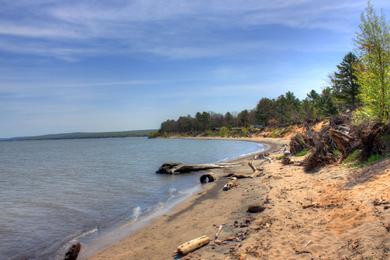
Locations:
(57, 190)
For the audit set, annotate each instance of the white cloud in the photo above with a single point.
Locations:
(172, 28)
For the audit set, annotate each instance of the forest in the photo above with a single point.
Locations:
(359, 87)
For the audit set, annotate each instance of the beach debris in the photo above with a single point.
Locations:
(371, 138)
(231, 184)
(324, 152)
(238, 176)
(193, 244)
(263, 156)
(73, 252)
(177, 168)
(255, 209)
(209, 177)
(230, 238)
(300, 252)
(256, 171)
(379, 202)
(307, 244)
(298, 143)
(287, 161)
(311, 205)
(218, 232)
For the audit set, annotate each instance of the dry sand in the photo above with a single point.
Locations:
(336, 213)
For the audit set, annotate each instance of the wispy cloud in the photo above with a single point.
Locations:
(72, 30)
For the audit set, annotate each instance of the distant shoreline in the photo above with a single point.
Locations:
(84, 135)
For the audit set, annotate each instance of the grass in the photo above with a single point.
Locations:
(373, 159)
(353, 159)
(303, 152)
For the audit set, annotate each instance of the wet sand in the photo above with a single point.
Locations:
(336, 213)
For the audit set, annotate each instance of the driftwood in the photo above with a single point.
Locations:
(218, 232)
(256, 172)
(232, 183)
(209, 177)
(192, 245)
(264, 156)
(177, 168)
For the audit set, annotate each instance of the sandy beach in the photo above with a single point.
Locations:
(336, 213)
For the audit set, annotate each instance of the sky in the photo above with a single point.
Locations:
(70, 66)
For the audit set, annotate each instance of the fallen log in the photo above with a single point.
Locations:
(177, 168)
(192, 245)
(209, 177)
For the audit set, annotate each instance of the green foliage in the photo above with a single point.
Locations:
(154, 134)
(244, 132)
(373, 74)
(303, 152)
(345, 83)
(264, 111)
(224, 132)
(321, 105)
(353, 158)
(243, 118)
(336, 152)
(374, 158)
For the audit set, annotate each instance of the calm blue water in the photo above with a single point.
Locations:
(54, 191)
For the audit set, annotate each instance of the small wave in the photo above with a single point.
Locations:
(86, 233)
(172, 191)
(262, 147)
(137, 211)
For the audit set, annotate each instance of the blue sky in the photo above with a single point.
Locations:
(119, 65)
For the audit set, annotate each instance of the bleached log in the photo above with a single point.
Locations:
(177, 168)
(256, 171)
(192, 245)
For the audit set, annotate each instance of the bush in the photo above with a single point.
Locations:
(244, 132)
(224, 132)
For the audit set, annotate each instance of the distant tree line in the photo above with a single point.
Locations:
(361, 84)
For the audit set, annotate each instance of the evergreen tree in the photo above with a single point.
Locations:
(264, 111)
(326, 104)
(345, 83)
(243, 118)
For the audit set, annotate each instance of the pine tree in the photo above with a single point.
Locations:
(345, 83)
